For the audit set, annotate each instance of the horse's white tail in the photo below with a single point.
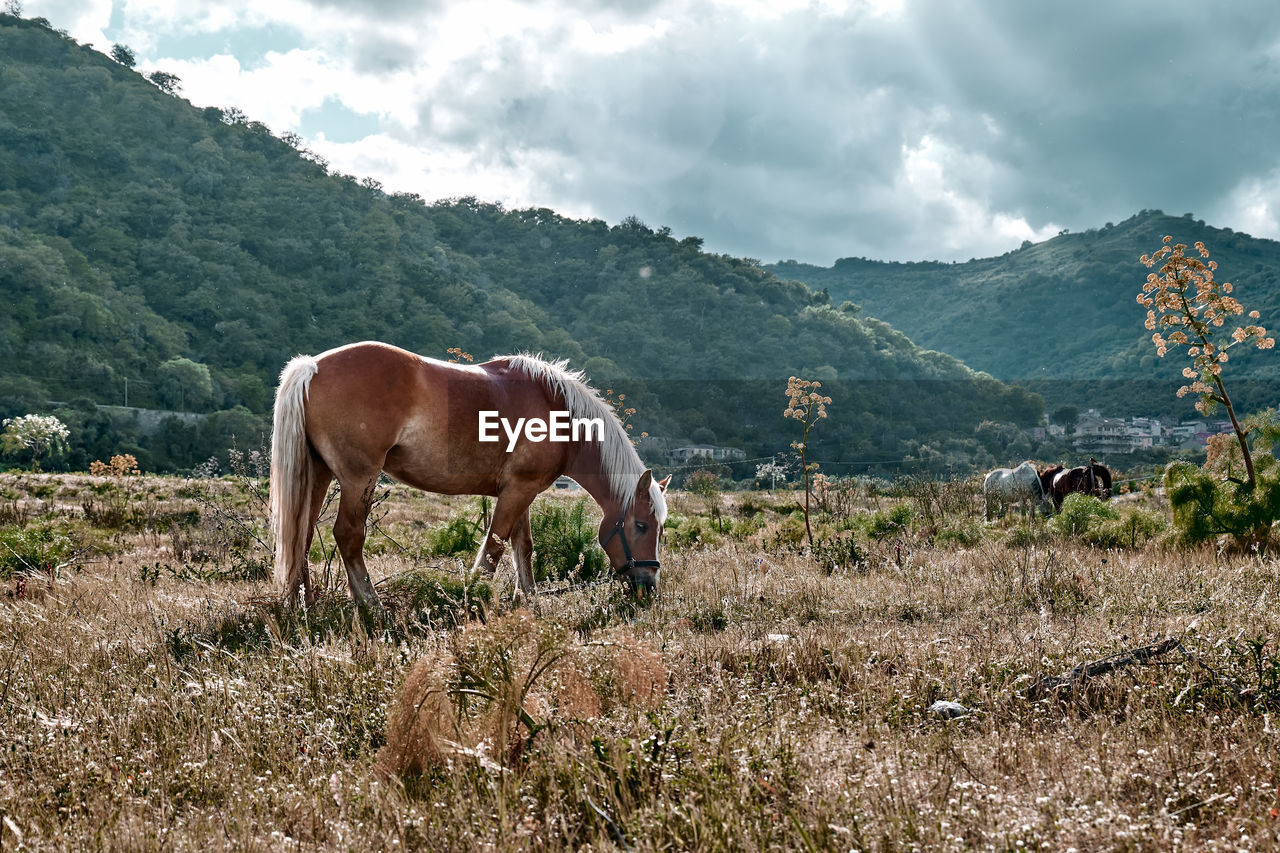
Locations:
(291, 474)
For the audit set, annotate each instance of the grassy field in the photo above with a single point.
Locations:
(153, 697)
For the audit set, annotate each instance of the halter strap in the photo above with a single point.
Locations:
(632, 562)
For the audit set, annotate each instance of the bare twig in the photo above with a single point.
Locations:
(1085, 671)
(614, 830)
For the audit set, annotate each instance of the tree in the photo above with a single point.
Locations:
(1187, 306)
(168, 83)
(122, 54)
(773, 472)
(1004, 441)
(185, 384)
(706, 484)
(39, 435)
(703, 435)
(1065, 416)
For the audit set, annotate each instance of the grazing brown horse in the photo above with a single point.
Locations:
(362, 409)
(1047, 476)
(1092, 479)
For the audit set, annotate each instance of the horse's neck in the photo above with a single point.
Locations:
(587, 470)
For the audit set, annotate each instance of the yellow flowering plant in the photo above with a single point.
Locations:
(1188, 307)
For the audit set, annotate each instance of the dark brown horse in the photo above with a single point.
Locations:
(1092, 479)
(359, 410)
(1046, 481)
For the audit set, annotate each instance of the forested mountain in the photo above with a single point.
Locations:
(181, 256)
(1061, 314)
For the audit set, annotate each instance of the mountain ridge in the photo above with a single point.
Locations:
(1061, 316)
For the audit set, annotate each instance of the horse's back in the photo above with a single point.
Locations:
(418, 418)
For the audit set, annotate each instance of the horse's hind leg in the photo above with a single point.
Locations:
(356, 498)
(321, 477)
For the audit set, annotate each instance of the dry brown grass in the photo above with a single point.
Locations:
(499, 687)
(764, 701)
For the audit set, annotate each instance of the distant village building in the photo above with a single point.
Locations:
(1185, 434)
(1144, 433)
(708, 452)
(1100, 435)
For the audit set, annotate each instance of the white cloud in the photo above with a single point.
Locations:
(949, 187)
(897, 129)
(1252, 206)
(83, 19)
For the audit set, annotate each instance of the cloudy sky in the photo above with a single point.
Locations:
(890, 129)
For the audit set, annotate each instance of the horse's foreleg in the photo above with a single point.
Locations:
(349, 532)
(522, 550)
(508, 511)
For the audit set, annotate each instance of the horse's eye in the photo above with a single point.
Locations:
(641, 527)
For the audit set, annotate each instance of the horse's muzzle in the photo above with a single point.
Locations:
(641, 581)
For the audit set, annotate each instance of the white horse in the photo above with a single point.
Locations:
(1004, 487)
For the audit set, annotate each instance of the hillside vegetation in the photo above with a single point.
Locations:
(185, 254)
(1060, 315)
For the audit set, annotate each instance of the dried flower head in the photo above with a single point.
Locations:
(1187, 306)
(459, 355)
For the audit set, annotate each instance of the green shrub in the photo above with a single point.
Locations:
(838, 553)
(435, 599)
(1205, 508)
(1026, 535)
(966, 533)
(1133, 528)
(1082, 513)
(458, 536)
(745, 526)
(683, 531)
(790, 533)
(566, 542)
(41, 548)
(884, 523)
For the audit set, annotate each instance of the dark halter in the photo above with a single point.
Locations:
(632, 562)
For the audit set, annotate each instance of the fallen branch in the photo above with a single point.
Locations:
(1075, 678)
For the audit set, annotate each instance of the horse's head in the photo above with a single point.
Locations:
(1101, 480)
(631, 537)
(1047, 504)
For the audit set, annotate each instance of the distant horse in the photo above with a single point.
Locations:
(358, 410)
(1047, 475)
(1092, 479)
(1004, 487)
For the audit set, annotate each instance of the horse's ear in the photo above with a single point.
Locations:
(662, 484)
(646, 480)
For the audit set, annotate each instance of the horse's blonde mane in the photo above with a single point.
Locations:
(618, 458)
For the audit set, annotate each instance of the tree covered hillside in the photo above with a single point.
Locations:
(182, 255)
(1062, 314)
